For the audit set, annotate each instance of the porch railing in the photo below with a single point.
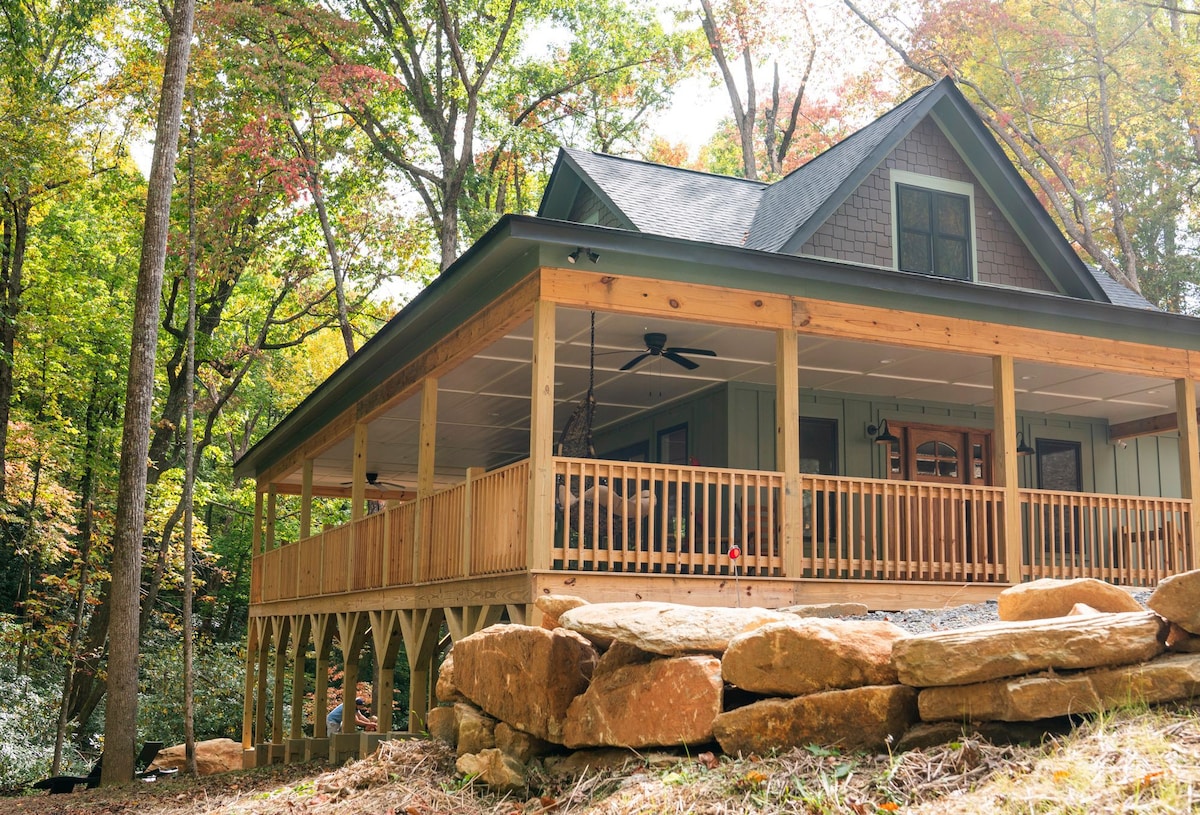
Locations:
(626, 517)
(872, 529)
(1123, 539)
(655, 518)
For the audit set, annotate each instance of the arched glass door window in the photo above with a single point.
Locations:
(936, 459)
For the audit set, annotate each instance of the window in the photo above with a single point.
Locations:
(673, 445)
(1059, 466)
(933, 225)
(819, 446)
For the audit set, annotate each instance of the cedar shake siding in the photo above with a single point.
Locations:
(589, 209)
(860, 230)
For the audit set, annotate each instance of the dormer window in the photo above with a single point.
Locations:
(933, 226)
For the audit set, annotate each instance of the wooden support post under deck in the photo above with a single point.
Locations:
(306, 498)
(1004, 461)
(299, 625)
(269, 533)
(787, 449)
(1189, 462)
(280, 624)
(351, 630)
(420, 628)
(264, 653)
(540, 515)
(385, 636)
(252, 646)
(322, 641)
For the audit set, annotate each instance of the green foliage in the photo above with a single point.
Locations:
(219, 673)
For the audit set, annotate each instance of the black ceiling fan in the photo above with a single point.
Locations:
(655, 347)
(373, 481)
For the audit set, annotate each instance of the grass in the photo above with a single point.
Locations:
(1130, 761)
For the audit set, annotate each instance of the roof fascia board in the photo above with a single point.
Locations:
(664, 258)
(991, 165)
(488, 268)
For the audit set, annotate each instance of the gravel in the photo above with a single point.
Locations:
(922, 620)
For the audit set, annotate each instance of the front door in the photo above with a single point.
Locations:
(944, 535)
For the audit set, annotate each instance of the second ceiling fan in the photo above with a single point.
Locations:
(656, 346)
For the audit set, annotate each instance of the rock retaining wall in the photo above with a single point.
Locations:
(644, 675)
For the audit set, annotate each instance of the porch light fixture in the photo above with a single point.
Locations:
(573, 257)
(882, 434)
(1023, 449)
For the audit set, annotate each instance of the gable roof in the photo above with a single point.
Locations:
(780, 217)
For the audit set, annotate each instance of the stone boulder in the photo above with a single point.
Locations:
(664, 702)
(860, 718)
(667, 628)
(520, 746)
(212, 756)
(1178, 599)
(969, 655)
(1048, 597)
(553, 605)
(442, 724)
(476, 730)
(827, 610)
(524, 675)
(500, 772)
(804, 656)
(444, 689)
(1029, 698)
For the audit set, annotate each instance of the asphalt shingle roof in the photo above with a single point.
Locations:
(674, 202)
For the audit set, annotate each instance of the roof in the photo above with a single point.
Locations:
(779, 217)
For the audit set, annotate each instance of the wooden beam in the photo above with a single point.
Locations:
(299, 623)
(787, 447)
(1189, 461)
(256, 531)
(540, 506)
(420, 628)
(370, 493)
(280, 625)
(1163, 423)
(1004, 461)
(491, 323)
(306, 499)
(322, 634)
(850, 321)
(264, 653)
(427, 450)
(269, 533)
(352, 629)
(358, 473)
(469, 498)
(252, 646)
(386, 639)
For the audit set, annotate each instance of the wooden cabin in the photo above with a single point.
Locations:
(886, 378)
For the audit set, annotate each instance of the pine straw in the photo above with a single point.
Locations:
(1135, 761)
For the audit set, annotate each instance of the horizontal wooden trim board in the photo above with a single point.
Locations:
(826, 318)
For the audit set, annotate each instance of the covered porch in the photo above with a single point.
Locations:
(461, 512)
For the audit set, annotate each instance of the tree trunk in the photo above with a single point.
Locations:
(12, 265)
(189, 476)
(120, 722)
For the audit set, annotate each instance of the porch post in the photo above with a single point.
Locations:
(426, 456)
(279, 676)
(469, 520)
(358, 486)
(1189, 462)
(252, 646)
(1004, 461)
(787, 448)
(256, 548)
(540, 507)
(269, 533)
(306, 498)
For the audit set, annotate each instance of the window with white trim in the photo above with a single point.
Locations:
(934, 224)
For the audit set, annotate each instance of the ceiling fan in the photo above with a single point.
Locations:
(373, 481)
(655, 347)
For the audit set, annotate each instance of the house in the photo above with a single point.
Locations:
(885, 378)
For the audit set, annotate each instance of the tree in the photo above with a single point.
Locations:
(1095, 102)
(120, 723)
(756, 34)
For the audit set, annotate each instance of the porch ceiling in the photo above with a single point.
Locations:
(484, 404)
